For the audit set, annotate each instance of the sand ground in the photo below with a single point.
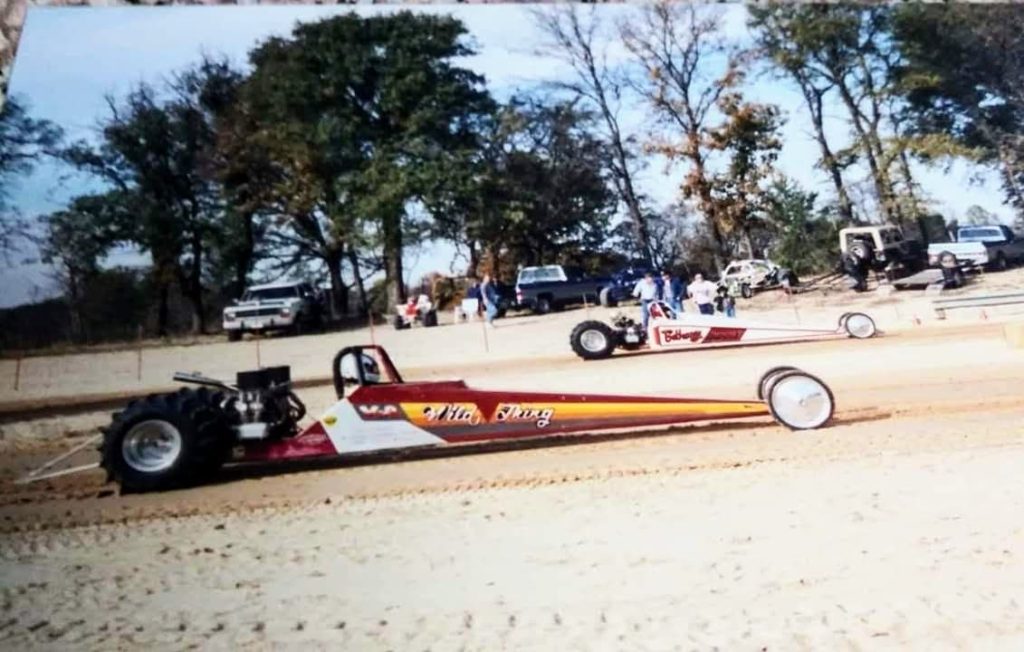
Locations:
(898, 526)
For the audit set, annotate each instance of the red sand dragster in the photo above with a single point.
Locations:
(183, 438)
(595, 340)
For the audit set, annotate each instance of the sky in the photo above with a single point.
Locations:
(70, 59)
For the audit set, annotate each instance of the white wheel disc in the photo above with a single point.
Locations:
(593, 340)
(860, 325)
(800, 401)
(151, 446)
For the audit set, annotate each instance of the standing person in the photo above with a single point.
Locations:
(703, 294)
(726, 299)
(673, 291)
(490, 299)
(647, 291)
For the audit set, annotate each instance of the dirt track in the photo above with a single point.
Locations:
(898, 526)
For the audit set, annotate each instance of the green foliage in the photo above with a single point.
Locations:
(23, 142)
(804, 238)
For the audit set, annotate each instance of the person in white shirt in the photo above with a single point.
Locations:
(647, 291)
(703, 294)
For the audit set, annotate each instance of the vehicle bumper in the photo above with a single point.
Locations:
(258, 323)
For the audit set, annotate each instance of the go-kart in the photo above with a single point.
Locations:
(415, 311)
(595, 340)
(184, 438)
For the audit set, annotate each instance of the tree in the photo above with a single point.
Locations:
(776, 33)
(692, 77)
(358, 114)
(962, 76)
(846, 52)
(749, 135)
(536, 192)
(159, 158)
(23, 142)
(804, 237)
(576, 40)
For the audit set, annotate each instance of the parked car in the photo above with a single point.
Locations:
(994, 246)
(551, 287)
(291, 307)
(755, 274)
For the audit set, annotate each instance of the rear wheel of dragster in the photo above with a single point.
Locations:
(430, 319)
(768, 377)
(799, 400)
(858, 325)
(593, 340)
(167, 440)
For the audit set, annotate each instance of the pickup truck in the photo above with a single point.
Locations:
(292, 307)
(550, 287)
(993, 246)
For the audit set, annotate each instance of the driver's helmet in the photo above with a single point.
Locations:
(350, 374)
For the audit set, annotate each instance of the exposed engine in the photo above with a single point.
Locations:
(631, 334)
(263, 400)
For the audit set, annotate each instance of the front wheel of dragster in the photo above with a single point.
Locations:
(167, 440)
(593, 340)
(800, 401)
(769, 377)
(858, 325)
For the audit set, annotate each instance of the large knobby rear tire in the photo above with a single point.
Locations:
(167, 441)
(593, 340)
(799, 400)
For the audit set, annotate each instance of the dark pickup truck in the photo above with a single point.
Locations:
(550, 287)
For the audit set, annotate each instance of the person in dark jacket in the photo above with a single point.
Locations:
(490, 299)
(673, 291)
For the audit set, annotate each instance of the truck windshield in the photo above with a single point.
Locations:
(264, 294)
(538, 274)
(982, 234)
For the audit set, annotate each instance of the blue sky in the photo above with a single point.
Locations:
(70, 58)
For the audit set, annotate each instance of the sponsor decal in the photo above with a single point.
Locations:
(465, 414)
(515, 413)
(670, 335)
(723, 334)
(379, 411)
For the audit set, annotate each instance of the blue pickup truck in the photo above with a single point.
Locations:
(551, 287)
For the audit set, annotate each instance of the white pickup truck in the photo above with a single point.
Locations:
(292, 307)
(992, 246)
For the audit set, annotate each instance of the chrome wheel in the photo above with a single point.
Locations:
(860, 326)
(151, 446)
(593, 340)
(800, 401)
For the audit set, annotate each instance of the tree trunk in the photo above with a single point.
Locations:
(882, 188)
(364, 301)
(338, 290)
(243, 264)
(164, 310)
(813, 97)
(474, 259)
(392, 235)
(194, 286)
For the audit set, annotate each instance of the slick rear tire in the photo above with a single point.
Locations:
(593, 340)
(800, 401)
(858, 325)
(764, 385)
(167, 441)
(430, 319)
